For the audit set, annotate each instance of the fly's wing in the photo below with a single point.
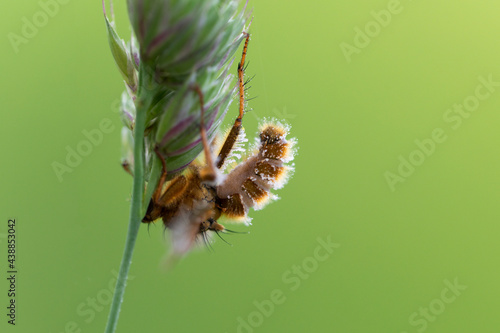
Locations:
(185, 226)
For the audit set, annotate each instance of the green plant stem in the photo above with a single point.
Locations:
(135, 218)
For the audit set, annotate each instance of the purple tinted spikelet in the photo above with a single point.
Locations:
(177, 45)
(177, 37)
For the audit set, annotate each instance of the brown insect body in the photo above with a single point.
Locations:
(186, 206)
(249, 184)
(182, 191)
(191, 203)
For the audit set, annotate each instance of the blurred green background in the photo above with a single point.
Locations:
(357, 102)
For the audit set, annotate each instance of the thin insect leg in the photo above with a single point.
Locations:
(126, 167)
(235, 232)
(153, 211)
(207, 242)
(210, 171)
(235, 130)
(149, 225)
(241, 72)
(159, 187)
(225, 241)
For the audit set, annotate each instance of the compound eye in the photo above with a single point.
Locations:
(204, 226)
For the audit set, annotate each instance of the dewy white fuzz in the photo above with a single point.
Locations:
(283, 178)
(237, 152)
